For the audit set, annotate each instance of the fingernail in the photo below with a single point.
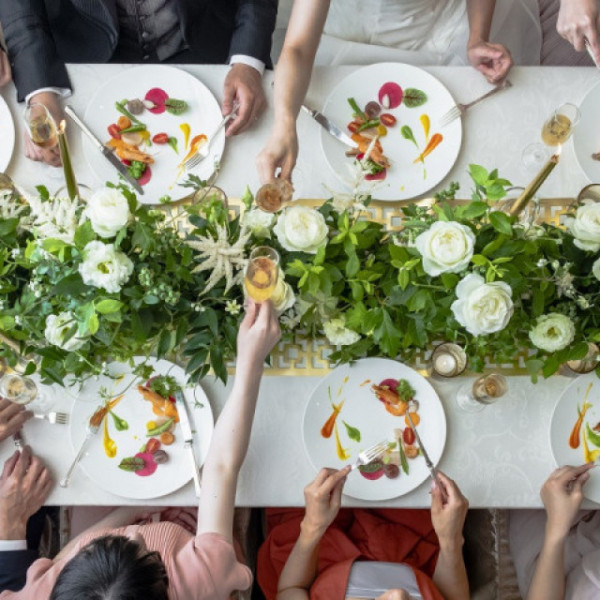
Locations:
(433, 484)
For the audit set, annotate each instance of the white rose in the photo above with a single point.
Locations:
(596, 269)
(446, 247)
(300, 228)
(108, 212)
(105, 267)
(258, 222)
(283, 296)
(338, 334)
(585, 227)
(481, 307)
(57, 327)
(552, 332)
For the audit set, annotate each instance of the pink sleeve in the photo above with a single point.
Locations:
(206, 567)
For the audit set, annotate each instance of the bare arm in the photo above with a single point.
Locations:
(480, 14)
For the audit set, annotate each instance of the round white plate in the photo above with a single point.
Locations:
(586, 135)
(364, 411)
(203, 115)
(7, 135)
(563, 420)
(137, 412)
(404, 179)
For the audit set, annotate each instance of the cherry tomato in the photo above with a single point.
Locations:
(152, 445)
(114, 131)
(353, 126)
(408, 436)
(387, 119)
(161, 138)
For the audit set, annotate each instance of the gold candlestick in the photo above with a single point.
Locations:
(65, 156)
(521, 202)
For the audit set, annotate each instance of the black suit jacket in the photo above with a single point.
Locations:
(41, 35)
(13, 568)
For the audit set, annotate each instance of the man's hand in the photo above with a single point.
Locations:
(12, 418)
(5, 72)
(492, 60)
(280, 152)
(243, 85)
(448, 511)
(579, 20)
(25, 484)
(562, 495)
(50, 156)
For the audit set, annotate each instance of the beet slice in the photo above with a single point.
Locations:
(146, 175)
(390, 95)
(149, 462)
(372, 471)
(392, 384)
(158, 96)
(377, 176)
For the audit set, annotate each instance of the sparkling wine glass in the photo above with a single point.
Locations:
(262, 273)
(40, 125)
(485, 390)
(272, 196)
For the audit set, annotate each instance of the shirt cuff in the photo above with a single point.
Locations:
(259, 65)
(62, 92)
(12, 545)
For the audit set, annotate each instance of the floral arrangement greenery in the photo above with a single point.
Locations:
(111, 279)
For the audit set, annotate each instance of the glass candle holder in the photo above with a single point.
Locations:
(448, 360)
(588, 363)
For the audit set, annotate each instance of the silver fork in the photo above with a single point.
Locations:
(370, 454)
(193, 161)
(54, 418)
(459, 109)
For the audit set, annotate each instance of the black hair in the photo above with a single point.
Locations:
(112, 568)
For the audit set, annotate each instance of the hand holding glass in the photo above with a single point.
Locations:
(262, 273)
(40, 125)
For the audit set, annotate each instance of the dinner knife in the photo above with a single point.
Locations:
(330, 127)
(108, 154)
(184, 422)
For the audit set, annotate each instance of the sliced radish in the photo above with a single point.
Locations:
(390, 95)
(159, 97)
(146, 175)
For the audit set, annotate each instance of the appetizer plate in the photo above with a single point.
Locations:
(202, 115)
(586, 135)
(104, 471)
(586, 388)
(7, 135)
(404, 179)
(363, 411)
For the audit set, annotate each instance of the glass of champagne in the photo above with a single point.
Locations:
(272, 196)
(18, 389)
(485, 390)
(40, 125)
(262, 273)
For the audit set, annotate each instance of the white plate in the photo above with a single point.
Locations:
(203, 115)
(7, 135)
(404, 179)
(364, 411)
(137, 412)
(586, 135)
(563, 420)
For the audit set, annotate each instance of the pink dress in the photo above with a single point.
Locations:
(203, 567)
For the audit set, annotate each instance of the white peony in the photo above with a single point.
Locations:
(585, 226)
(338, 334)
(258, 222)
(57, 327)
(283, 296)
(108, 212)
(105, 267)
(300, 228)
(552, 332)
(446, 247)
(596, 269)
(481, 307)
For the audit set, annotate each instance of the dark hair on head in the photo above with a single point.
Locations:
(112, 568)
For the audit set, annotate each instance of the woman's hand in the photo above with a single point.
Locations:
(50, 156)
(5, 72)
(323, 498)
(280, 152)
(562, 495)
(448, 511)
(12, 418)
(492, 60)
(578, 20)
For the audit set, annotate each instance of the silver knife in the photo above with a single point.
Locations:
(184, 422)
(108, 154)
(18, 440)
(330, 127)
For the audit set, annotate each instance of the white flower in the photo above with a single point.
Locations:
(542, 262)
(108, 212)
(596, 269)
(338, 334)
(232, 307)
(300, 228)
(258, 222)
(552, 332)
(283, 296)
(105, 267)
(583, 302)
(57, 327)
(481, 307)
(446, 247)
(585, 226)
(56, 218)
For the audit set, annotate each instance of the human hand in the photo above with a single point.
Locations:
(259, 332)
(562, 495)
(323, 499)
(577, 21)
(24, 486)
(184, 517)
(280, 152)
(12, 418)
(50, 156)
(243, 85)
(448, 511)
(5, 72)
(492, 60)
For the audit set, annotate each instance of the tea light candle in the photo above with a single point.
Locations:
(448, 360)
(444, 364)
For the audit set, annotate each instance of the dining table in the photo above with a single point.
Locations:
(500, 456)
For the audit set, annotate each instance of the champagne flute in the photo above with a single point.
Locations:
(485, 390)
(262, 272)
(40, 125)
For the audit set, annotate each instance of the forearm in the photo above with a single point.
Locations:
(548, 581)
(480, 19)
(450, 574)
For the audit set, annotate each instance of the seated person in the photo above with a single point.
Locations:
(324, 553)
(116, 559)
(557, 553)
(41, 36)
